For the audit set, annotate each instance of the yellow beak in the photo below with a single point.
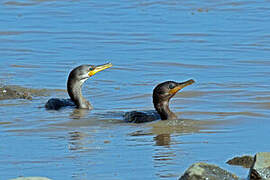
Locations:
(181, 86)
(99, 68)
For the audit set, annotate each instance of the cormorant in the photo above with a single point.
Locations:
(162, 94)
(75, 81)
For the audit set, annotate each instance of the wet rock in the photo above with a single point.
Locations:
(17, 92)
(244, 161)
(261, 167)
(204, 171)
(11, 93)
(31, 178)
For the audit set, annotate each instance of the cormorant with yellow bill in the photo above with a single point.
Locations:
(162, 94)
(75, 81)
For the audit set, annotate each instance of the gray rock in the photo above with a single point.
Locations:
(244, 161)
(261, 167)
(31, 178)
(204, 171)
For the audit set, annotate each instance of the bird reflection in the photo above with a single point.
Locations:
(164, 155)
(75, 141)
(163, 139)
(78, 113)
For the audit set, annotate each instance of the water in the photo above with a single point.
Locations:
(222, 45)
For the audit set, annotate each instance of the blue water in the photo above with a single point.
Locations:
(222, 45)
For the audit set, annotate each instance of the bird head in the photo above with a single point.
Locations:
(166, 90)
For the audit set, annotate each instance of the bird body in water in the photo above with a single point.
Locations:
(75, 81)
(162, 94)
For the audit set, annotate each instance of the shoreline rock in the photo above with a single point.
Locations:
(204, 171)
(244, 161)
(261, 167)
(18, 92)
(7, 92)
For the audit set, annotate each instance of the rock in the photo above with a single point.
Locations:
(7, 92)
(18, 92)
(204, 171)
(244, 161)
(31, 178)
(261, 167)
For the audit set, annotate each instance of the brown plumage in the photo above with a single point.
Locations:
(162, 94)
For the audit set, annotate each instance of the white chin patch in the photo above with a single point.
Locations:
(84, 78)
(82, 81)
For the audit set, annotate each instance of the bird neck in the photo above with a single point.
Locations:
(74, 88)
(162, 107)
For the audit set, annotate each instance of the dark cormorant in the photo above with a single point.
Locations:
(162, 94)
(75, 81)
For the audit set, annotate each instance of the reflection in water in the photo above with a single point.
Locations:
(76, 140)
(179, 126)
(78, 113)
(163, 139)
(163, 155)
(149, 44)
(165, 152)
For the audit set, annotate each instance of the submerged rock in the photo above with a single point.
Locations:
(204, 171)
(244, 161)
(11, 93)
(31, 178)
(17, 92)
(261, 167)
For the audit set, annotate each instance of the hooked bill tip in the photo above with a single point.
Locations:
(191, 81)
(188, 82)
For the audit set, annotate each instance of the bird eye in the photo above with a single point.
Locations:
(171, 86)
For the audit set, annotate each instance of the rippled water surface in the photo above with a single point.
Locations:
(222, 45)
